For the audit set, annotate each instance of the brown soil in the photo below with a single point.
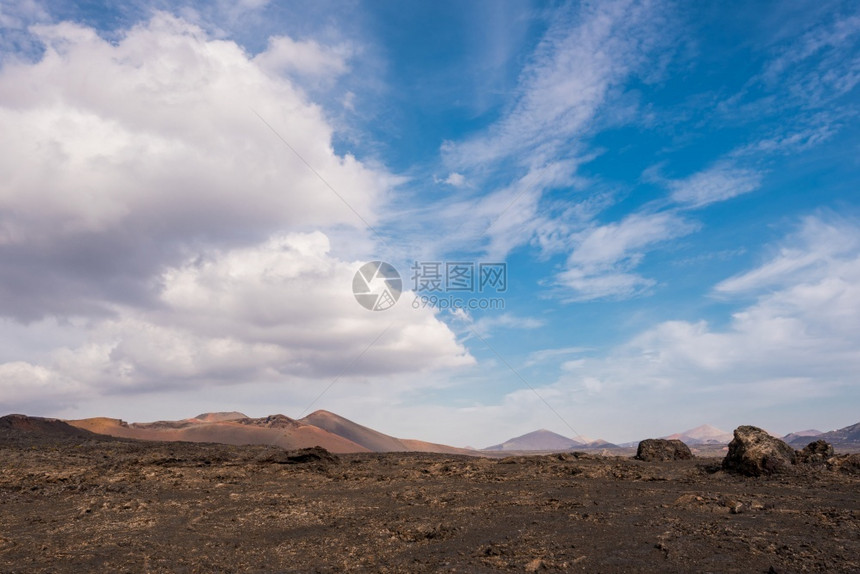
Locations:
(82, 504)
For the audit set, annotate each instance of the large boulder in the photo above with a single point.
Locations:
(753, 452)
(659, 449)
(847, 463)
(817, 452)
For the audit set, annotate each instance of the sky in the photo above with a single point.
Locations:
(666, 192)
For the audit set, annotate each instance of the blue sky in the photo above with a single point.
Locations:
(189, 189)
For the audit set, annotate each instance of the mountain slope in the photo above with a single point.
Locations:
(372, 439)
(804, 435)
(847, 436)
(367, 437)
(23, 424)
(321, 428)
(538, 440)
(276, 430)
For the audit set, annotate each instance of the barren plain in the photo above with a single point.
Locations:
(99, 504)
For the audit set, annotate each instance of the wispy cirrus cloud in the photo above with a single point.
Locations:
(819, 245)
(604, 256)
(820, 64)
(585, 53)
(717, 183)
(486, 325)
(538, 144)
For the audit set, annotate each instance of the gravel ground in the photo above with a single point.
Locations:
(84, 505)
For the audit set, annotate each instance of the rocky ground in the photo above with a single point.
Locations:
(79, 504)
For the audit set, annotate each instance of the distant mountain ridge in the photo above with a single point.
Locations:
(847, 436)
(544, 440)
(321, 428)
(804, 435)
(340, 435)
(537, 440)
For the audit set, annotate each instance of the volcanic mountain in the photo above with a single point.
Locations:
(538, 440)
(18, 424)
(277, 430)
(321, 428)
(801, 436)
(848, 436)
(373, 440)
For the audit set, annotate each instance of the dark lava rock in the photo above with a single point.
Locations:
(302, 456)
(817, 452)
(846, 463)
(753, 452)
(659, 449)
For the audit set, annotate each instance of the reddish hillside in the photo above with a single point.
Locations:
(374, 440)
(366, 437)
(42, 426)
(277, 430)
(321, 428)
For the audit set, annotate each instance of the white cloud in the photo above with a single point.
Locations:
(19, 13)
(126, 153)
(837, 70)
(536, 357)
(486, 325)
(304, 58)
(603, 256)
(796, 342)
(538, 143)
(582, 56)
(21, 382)
(818, 244)
(794, 346)
(717, 183)
(145, 201)
(455, 179)
(279, 311)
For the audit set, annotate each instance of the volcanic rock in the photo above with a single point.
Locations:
(846, 463)
(302, 456)
(753, 452)
(816, 452)
(659, 449)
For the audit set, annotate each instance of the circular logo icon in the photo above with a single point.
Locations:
(377, 286)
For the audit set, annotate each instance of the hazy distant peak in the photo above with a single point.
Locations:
(702, 434)
(537, 440)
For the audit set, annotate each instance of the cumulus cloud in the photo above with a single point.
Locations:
(795, 342)
(119, 156)
(282, 310)
(304, 58)
(147, 207)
